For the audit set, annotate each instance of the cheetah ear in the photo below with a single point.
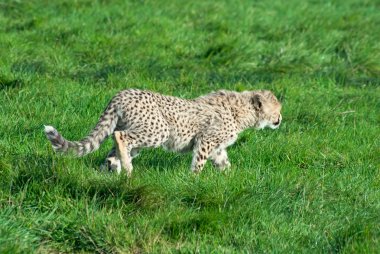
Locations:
(256, 101)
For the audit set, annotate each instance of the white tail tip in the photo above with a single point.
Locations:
(49, 128)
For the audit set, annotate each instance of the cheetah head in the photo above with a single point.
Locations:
(267, 108)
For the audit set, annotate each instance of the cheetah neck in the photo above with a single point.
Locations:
(238, 104)
(241, 111)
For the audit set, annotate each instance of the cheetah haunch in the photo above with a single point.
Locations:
(207, 125)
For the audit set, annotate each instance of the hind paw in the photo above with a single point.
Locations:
(111, 164)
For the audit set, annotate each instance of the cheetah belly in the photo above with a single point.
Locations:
(179, 143)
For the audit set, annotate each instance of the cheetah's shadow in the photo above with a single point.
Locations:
(149, 159)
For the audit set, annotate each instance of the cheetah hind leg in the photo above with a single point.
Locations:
(112, 163)
(122, 152)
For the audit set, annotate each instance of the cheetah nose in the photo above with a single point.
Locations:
(277, 122)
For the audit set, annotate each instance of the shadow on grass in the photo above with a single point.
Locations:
(43, 183)
(29, 67)
(161, 160)
(148, 159)
(42, 174)
(141, 198)
(6, 83)
(205, 222)
(201, 199)
(21, 25)
(77, 236)
(13, 9)
(351, 235)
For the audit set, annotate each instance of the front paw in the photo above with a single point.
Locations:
(224, 165)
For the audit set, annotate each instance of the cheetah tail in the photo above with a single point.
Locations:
(105, 126)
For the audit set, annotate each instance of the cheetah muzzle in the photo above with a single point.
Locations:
(207, 125)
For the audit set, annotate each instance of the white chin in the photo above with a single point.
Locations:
(262, 125)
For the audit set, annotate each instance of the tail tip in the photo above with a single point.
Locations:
(49, 129)
(50, 132)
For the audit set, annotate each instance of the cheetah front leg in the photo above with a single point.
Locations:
(218, 157)
(201, 152)
(220, 160)
(212, 145)
(123, 151)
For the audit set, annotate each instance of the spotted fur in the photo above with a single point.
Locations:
(207, 125)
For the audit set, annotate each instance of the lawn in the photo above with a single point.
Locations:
(312, 186)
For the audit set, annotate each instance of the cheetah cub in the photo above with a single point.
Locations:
(206, 125)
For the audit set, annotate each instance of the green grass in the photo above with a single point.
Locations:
(313, 186)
